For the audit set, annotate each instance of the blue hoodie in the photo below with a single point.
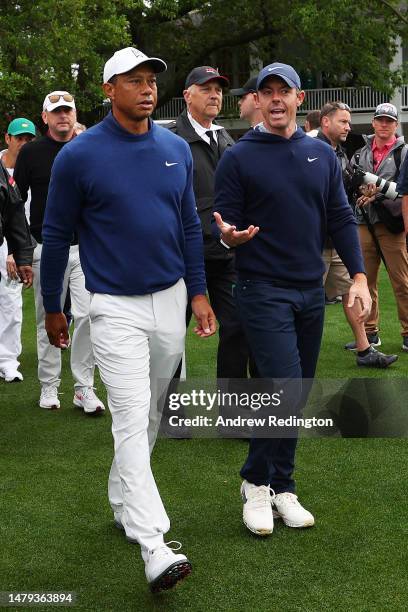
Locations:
(130, 198)
(293, 190)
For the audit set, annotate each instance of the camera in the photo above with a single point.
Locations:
(361, 177)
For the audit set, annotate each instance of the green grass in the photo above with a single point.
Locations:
(56, 530)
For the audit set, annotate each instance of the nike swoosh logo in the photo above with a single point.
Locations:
(311, 159)
(171, 163)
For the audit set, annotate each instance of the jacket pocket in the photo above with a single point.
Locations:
(205, 210)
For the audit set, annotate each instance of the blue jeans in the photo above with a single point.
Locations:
(284, 330)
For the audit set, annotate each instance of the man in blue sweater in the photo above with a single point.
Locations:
(402, 188)
(280, 193)
(125, 186)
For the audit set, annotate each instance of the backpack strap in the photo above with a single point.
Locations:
(397, 161)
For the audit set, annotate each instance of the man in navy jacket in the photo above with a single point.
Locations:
(278, 194)
(402, 188)
(125, 185)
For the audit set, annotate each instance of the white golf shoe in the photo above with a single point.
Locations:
(49, 397)
(287, 507)
(86, 398)
(11, 375)
(164, 568)
(257, 511)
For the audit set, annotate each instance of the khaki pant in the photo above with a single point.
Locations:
(394, 249)
(49, 357)
(336, 279)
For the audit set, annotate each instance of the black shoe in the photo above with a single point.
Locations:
(405, 343)
(373, 339)
(375, 359)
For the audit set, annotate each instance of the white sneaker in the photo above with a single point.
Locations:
(49, 397)
(85, 398)
(11, 375)
(257, 512)
(164, 569)
(287, 507)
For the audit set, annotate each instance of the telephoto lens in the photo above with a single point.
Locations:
(387, 188)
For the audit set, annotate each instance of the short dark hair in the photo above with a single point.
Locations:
(113, 79)
(314, 119)
(331, 107)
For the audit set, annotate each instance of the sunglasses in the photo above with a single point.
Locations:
(333, 106)
(53, 98)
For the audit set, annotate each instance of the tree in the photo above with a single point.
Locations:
(340, 38)
(47, 45)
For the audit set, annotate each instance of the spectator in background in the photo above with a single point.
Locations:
(312, 123)
(383, 154)
(248, 109)
(33, 170)
(19, 132)
(335, 124)
(14, 228)
(208, 142)
(79, 128)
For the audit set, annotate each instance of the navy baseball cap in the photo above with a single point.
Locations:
(284, 71)
(203, 74)
(248, 87)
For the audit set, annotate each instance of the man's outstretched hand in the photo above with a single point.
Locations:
(231, 236)
(204, 315)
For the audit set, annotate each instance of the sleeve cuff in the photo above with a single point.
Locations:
(52, 303)
(196, 290)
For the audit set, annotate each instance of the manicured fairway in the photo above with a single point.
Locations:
(57, 534)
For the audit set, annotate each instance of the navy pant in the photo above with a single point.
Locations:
(284, 329)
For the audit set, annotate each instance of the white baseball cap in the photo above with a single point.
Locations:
(386, 110)
(58, 98)
(128, 58)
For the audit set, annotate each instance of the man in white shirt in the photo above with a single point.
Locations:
(207, 140)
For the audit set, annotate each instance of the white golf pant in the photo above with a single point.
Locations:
(49, 357)
(11, 316)
(138, 342)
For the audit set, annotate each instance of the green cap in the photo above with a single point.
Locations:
(21, 126)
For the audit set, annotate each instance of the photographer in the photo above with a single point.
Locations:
(383, 155)
(335, 125)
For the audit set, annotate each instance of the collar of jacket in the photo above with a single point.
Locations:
(400, 142)
(186, 130)
(339, 150)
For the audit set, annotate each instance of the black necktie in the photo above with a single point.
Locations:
(213, 144)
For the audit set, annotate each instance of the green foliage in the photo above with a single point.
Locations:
(48, 45)
(42, 42)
